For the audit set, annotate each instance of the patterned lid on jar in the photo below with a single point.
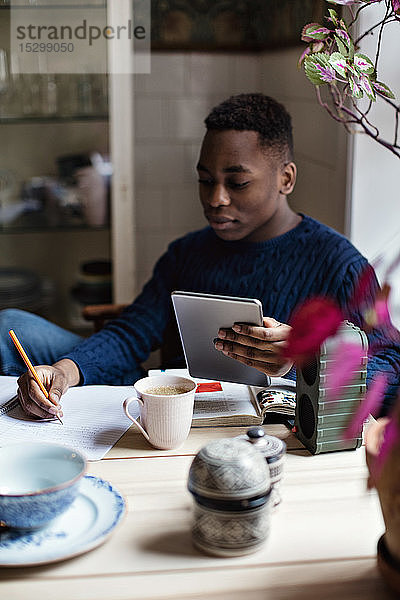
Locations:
(229, 469)
(272, 447)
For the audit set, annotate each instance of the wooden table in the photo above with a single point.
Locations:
(322, 544)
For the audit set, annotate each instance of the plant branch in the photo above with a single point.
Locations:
(368, 128)
(368, 31)
(354, 19)
(378, 48)
(364, 125)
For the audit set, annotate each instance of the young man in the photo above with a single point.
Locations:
(255, 246)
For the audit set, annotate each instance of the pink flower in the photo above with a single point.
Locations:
(345, 360)
(382, 311)
(312, 322)
(369, 406)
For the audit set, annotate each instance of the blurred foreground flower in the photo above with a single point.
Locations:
(346, 359)
(312, 323)
(369, 406)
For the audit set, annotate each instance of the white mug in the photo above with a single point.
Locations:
(165, 419)
(93, 195)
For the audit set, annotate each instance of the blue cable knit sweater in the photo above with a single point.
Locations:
(309, 260)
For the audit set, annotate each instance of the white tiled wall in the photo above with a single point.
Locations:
(320, 143)
(170, 106)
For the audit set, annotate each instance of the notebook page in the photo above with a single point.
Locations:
(93, 419)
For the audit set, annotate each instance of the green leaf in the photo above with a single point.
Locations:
(367, 88)
(382, 89)
(363, 64)
(351, 68)
(317, 46)
(338, 62)
(318, 68)
(351, 50)
(315, 32)
(355, 89)
(341, 46)
(334, 16)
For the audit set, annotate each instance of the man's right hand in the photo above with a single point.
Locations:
(56, 379)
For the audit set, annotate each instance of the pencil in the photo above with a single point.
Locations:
(30, 366)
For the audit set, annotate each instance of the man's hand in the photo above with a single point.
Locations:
(258, 347)
(56, 379)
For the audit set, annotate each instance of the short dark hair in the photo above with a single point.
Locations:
(255, 112)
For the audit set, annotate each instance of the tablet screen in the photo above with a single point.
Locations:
(199, 317)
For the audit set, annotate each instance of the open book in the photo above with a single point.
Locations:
(224, 403)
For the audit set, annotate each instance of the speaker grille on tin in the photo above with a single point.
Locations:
(310, 371)
(306, 416)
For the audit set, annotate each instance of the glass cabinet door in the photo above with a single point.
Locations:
(66, 184)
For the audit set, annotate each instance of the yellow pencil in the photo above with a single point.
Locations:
(30, 366)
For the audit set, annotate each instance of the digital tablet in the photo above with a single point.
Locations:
(199, 317)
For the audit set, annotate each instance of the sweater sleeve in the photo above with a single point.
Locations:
(383, 341)
(114, 354)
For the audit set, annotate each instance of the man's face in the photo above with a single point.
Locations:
(239, 185)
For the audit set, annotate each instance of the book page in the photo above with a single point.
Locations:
(226, 400)
(93, 419)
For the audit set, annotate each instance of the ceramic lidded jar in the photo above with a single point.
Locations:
(273, 449)
(231, 488)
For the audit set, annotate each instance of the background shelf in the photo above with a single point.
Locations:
(52, 119)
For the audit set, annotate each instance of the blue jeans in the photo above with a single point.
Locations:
(43, 341)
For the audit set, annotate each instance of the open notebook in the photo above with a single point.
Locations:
(93, 418)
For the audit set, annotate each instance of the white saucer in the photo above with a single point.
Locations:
(90, 519)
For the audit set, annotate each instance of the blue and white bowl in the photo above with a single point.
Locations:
(38, 482)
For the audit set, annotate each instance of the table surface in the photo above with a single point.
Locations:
(322, 542)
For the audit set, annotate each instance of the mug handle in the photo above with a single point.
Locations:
(127, 402)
